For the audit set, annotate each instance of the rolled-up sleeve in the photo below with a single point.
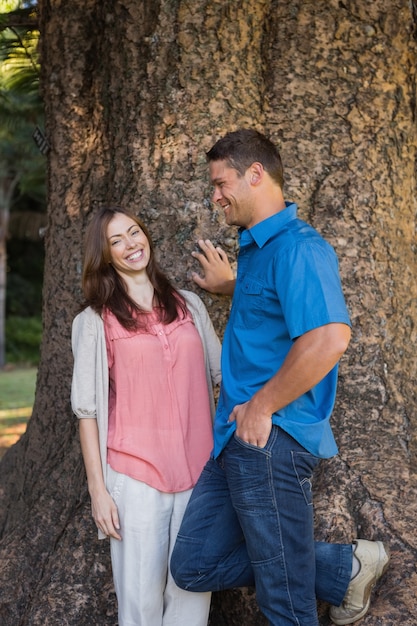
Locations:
(84, 349)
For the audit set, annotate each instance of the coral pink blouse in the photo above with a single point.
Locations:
(160, 429)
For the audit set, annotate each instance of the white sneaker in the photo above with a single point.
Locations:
(373, 557)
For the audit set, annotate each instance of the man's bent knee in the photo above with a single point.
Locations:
(185, 573)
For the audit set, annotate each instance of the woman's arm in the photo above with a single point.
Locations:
(85, 338)
(103, 508)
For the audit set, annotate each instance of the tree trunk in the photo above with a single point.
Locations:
(8, 182)
(135, 93)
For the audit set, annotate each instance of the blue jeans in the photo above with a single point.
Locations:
(249, 522)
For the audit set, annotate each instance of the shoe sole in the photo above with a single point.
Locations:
(384, 553)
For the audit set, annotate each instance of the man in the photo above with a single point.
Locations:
(250, 518)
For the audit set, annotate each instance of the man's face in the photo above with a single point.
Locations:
(233, 193)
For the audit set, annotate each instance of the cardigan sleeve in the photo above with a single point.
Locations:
(89, 389)
(210, 341)
(84, 349)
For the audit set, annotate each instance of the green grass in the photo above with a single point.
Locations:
(17, 393)
(17, 388)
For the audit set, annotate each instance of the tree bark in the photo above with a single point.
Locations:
(135, 93)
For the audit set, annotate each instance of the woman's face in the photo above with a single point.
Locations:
(128, 245)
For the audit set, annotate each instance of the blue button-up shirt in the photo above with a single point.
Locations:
(287, 284)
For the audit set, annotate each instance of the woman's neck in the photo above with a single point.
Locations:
(141, 291)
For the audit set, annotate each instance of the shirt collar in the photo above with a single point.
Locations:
(263, 231)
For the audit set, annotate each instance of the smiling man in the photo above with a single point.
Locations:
(250, 518)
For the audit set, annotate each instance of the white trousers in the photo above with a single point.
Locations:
(146, 592)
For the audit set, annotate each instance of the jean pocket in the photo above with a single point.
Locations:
(251, 446)
(304, 464)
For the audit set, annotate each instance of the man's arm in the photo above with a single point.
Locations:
(218, 274)
(311, 357)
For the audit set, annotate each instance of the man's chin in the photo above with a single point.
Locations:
(230, 221)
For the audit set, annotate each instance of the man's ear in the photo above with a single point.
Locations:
(256, 173)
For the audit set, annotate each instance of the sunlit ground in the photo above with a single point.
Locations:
(13, 424)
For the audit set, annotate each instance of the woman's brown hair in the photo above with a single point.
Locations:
(104, 287)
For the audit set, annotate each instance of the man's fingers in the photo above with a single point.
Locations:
(202, 258)
(210, 254)
(222, 254)
(198, 279)
(208, 248)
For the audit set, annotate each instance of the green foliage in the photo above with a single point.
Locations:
(8, 5)
(23, 298)
(21, 107)
(23, 338)
(24, 278)
(21, 111)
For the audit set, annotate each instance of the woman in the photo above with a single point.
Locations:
(145, 359)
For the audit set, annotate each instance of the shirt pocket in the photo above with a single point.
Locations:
(250, 306)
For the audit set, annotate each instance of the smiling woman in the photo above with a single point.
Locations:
(145, 359)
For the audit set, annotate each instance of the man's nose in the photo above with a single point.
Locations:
(216, 196)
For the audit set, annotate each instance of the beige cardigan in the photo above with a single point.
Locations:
(90, 381)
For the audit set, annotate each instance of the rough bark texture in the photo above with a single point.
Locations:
(135, 93)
